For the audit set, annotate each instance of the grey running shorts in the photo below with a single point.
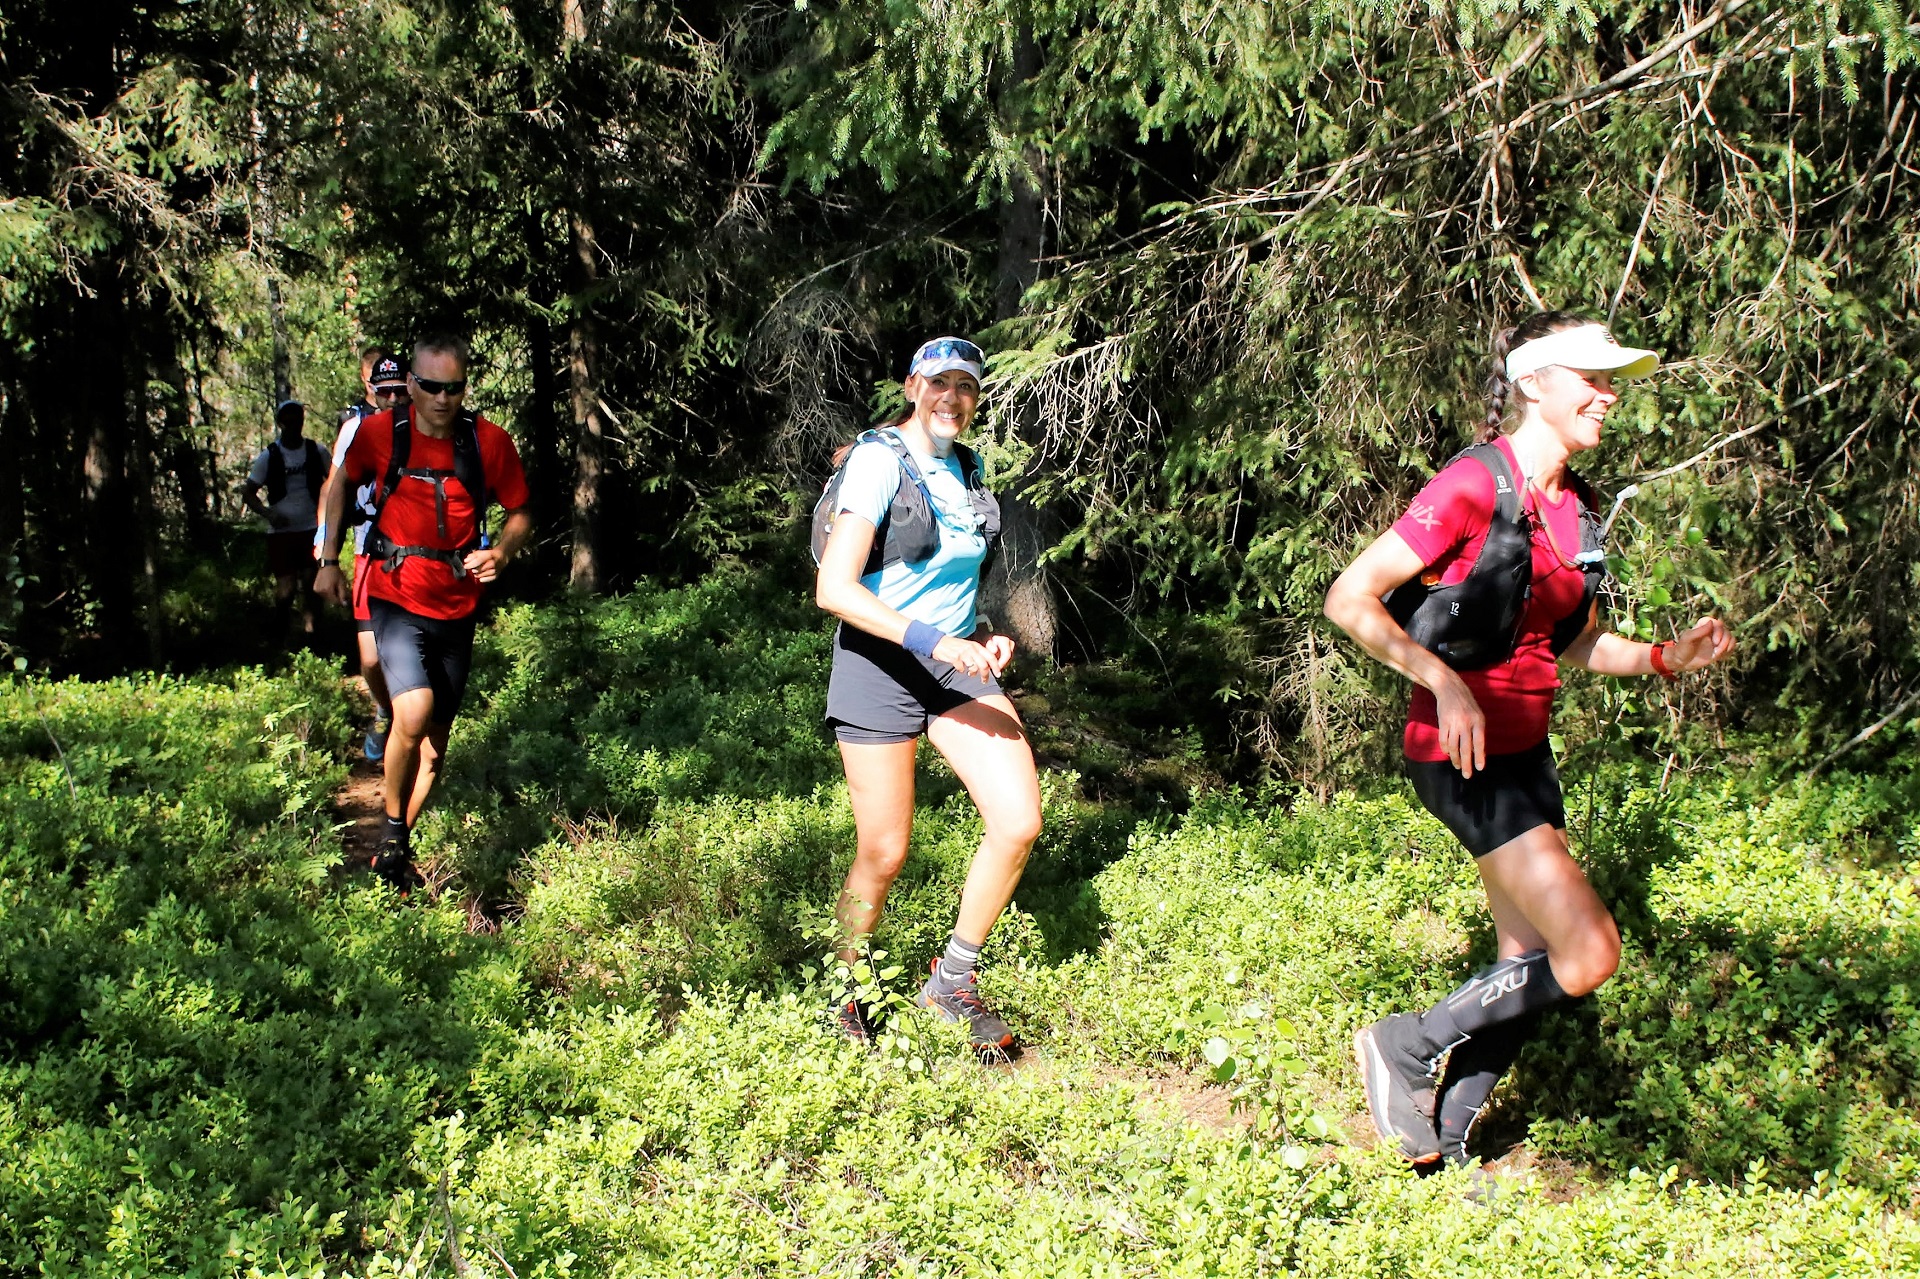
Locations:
(879, 692)
(1509, 797)
(423, 652)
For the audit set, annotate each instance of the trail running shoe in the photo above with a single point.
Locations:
(375, 747)
(850, 1019)
(962, 1003)
(393, 862)
(1400, 1087)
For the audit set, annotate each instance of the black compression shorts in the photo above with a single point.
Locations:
(879, 692)
(423, 652)
(1509, 797)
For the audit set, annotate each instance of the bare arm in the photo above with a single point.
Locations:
(329, 583)
(485, 565)
(250, 498)
(1354, 604)
(838, 590)
(1604, 653)
(336, 479)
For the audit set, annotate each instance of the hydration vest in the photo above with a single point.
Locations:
(910, 530)
(467, 468)
(1474, 623)
(313, 466)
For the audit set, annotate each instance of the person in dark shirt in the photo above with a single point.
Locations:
(292, 471)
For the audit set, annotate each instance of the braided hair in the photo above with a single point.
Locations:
(1499, 388)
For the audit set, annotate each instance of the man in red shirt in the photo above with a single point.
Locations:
(427, 566)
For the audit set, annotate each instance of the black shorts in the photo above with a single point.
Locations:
(290, 554)
(1509, 797)
(879, 692)
(423, 652)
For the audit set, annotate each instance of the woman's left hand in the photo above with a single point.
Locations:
(999, 652)
(1705, 644)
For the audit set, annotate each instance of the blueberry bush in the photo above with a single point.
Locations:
(598, 1051)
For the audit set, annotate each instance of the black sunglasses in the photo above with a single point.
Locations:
(389, 390)
(430, 387)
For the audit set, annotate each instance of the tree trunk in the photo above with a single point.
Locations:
(282, 345)
(590, 444)
(97, 410)
(1017, 592)
(1021, 225)
(209, 458)
(541, 436)
(146, 518)
(182, 458)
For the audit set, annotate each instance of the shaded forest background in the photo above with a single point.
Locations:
(1238, 263)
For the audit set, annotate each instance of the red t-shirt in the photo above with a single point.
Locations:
(1445, 525)
(425, 586)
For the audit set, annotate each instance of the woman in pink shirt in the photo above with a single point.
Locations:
(1491, 575)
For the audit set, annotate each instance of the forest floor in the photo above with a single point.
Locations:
(358, 804)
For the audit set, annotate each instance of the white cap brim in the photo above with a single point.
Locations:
(934, 368)
(1589, 347)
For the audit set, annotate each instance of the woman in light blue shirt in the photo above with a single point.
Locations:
(910, 526)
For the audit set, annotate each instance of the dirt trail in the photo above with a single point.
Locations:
(359, 802)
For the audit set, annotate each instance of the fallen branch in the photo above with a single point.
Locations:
(71, 789)
(1717, 445)
(1868, 732)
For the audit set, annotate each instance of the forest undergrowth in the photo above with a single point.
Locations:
(597, 1051)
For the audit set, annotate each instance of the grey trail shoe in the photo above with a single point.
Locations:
(961, 1002)
(1400, 1086)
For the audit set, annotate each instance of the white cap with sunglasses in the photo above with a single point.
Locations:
(948, 355)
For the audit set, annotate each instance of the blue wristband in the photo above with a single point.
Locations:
(921, 638)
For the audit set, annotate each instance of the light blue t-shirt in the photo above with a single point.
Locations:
(940, 591)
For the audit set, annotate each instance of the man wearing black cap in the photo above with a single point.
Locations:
(386, 382)
(369, 402)
(292, 470)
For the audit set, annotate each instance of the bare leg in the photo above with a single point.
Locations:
(880, 783)
(433, 753)
(1541, 900)
(309, 604)
(370, 671)
(406, 747)
(987, 747)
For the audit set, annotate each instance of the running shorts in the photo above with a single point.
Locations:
(290, 554)
(879, 692)
(1509, 797)
(424, 652)
(362, 577)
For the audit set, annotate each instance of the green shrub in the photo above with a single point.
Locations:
(219, 1055)
(211, 1058)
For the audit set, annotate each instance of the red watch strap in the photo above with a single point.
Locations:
(1657, 657)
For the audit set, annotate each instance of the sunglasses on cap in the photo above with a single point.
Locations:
(430, 387)
(949, 349)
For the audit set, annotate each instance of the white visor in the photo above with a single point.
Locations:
(1588, 347)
